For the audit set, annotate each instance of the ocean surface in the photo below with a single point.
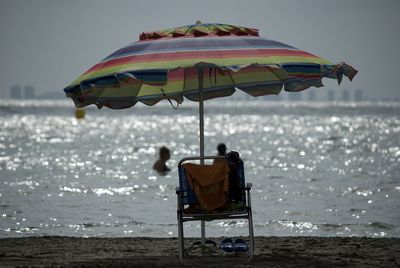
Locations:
(319, 169)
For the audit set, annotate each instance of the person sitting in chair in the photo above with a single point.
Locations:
(221, 148)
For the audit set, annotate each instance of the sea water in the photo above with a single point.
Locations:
(319, 169)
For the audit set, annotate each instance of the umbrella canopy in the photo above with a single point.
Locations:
(200, 62)
(216, 58)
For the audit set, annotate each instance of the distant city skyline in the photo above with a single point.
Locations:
(327, 94)
(48, 44)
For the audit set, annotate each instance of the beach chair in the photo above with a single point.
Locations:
(188, 203)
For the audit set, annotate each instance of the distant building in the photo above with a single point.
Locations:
(331, 95)
(29, 92)
(358, 95)
(345, 95)
(16, 92)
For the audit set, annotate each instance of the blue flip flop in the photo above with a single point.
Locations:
(240, 246)
(227, 245)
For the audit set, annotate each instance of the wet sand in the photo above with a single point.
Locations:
(162, 252)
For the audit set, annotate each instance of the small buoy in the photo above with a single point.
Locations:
(79, 113)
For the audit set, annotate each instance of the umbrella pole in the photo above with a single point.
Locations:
(201, 114)
(201, 130)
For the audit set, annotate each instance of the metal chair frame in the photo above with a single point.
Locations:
(185, 196)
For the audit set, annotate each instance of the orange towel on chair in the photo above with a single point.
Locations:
(210, 183)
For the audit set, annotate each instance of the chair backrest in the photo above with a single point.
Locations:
(188, 197)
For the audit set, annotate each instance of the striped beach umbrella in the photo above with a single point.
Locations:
(200, 62)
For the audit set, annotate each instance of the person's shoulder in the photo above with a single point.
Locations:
(219, 160)
(156, 165)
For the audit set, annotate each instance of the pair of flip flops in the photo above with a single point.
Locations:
(239, 245)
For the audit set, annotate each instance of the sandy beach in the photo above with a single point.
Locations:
(162, 252)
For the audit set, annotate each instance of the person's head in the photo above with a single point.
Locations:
(164, 153)
(221, 149)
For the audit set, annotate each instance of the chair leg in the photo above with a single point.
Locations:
(180, 237)
(251, 235)
(203, 233)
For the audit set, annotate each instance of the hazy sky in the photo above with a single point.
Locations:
(49, 43)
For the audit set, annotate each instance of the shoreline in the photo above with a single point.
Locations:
(162, 252)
